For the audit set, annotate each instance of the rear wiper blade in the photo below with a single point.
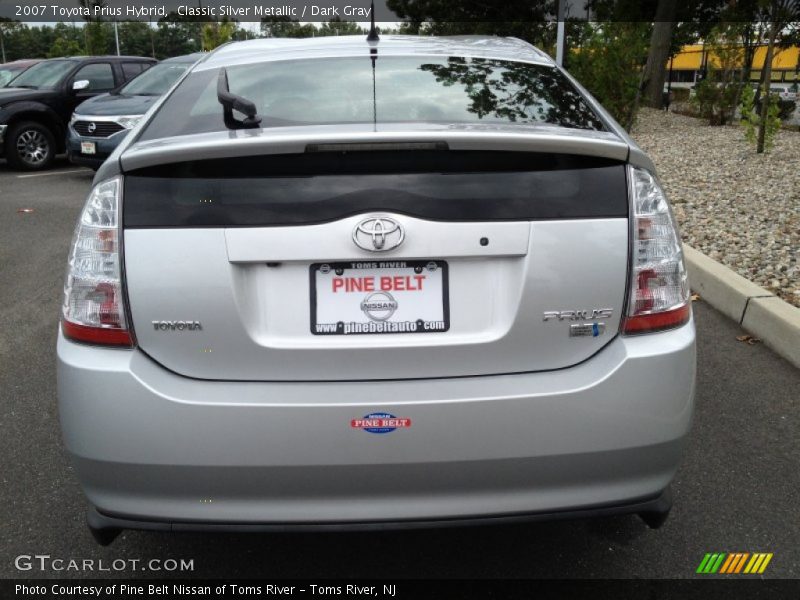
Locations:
(231, 102)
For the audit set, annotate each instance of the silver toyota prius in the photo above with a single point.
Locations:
(356, 283)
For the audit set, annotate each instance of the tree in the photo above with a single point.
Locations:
(6, 26)
(64, 47)
(136, 39)
(177, 35)
(339, 27)
(782, 13)
(99, 38)
(660, 42)
(458, 11)
(751, 16)
(241, 34)
(717, 95)
(525, 19)
(609, 64)
(22, 41)
(751, 118)
(285, 27)
(673, 24)
(217, 33)
(611, 59)
(63, 40)
(96, 35)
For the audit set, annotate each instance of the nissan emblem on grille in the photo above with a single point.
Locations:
(91, 127)
(378, 234)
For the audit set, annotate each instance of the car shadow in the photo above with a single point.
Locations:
(577, 548)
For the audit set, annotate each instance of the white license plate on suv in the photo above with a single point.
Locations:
(379, 297)
(88, 148)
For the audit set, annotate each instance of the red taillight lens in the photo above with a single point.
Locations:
(657, 321)
(94, 308)
(659, 295)
(96, 335)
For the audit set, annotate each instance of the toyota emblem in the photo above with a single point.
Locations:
(378, 234)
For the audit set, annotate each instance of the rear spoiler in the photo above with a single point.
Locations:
(255, 142)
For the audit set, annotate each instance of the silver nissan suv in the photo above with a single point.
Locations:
(349, 282)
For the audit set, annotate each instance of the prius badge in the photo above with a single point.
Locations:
(594, 328)
(378, 234)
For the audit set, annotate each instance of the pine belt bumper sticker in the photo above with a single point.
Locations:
(380, 423)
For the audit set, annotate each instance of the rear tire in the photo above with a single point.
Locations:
(30, 146)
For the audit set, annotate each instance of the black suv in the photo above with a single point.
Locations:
(35, 107)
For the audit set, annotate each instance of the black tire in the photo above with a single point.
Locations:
(30, 146)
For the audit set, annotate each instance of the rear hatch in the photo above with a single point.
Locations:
(408, 260)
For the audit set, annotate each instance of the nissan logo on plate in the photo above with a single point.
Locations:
(378, 234)
(379, 306)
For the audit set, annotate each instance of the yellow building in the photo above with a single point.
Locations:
(686, 66)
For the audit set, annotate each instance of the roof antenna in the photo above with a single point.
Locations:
(373, 33)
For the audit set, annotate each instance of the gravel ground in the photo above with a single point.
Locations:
(740, 208)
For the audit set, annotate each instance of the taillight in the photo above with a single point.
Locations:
(659, 294)
(94, 307)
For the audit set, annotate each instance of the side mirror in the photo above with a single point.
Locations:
(81, 84)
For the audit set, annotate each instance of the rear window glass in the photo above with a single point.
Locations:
(404, 89)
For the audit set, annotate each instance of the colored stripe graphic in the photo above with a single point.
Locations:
(727, 564)
(711, 562)
(734, 563)
(703, 563)
(758, 563)
(764, 564)
(741, 562)
(717, 564)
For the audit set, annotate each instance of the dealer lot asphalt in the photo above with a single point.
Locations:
(737, 489)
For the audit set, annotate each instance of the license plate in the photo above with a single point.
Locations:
(380, 297)
(88, 148)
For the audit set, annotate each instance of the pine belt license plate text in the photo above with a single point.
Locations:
(88, 148)
(380, 297)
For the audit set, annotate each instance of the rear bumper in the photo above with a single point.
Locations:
(152, 447)
(659, 505)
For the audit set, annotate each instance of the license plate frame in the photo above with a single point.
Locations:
(369, 325)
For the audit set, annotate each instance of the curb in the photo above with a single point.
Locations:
(760, 312)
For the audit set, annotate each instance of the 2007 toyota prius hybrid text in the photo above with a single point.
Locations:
(349, 282)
